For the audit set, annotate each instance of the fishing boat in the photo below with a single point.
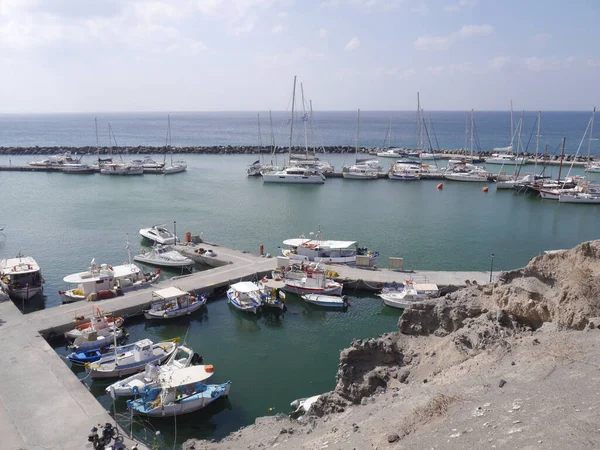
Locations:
(326, 301)
(172, 302)
(104, 281)
(131, 358)
(98, 321)
(180, 359)
(21, 277)
(271, 297)
(159, 234)
(81, 358)
(309, 279)
(179, 392)
(326, 251)
(163, 256)
(402, 297)
(244, 296)
(96, 339)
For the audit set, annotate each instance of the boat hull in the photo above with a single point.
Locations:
(25, 294)
(241, 306)
(326, 301)
(112, 370)
(157, 263)
(472, 178)
(174, 313)
(289, 179)
(297, 288)
(345, 260)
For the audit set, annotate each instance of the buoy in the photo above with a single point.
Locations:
(271, 409)
(440, 186)
(188, 237)
(485, 189)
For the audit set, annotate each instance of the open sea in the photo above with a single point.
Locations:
(64, 221)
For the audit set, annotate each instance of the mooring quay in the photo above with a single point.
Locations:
(44, 405)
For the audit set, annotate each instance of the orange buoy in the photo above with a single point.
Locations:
(188, 237)
(440, 186)
(262, 249)
(485, 189)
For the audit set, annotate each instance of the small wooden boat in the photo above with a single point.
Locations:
(403, 297)
(327, 301)
(181, 392)
(94, 340)
(172, 302)
(180, 359)
(244, 296)
(97, 322)
(131, 359)
(81, 358)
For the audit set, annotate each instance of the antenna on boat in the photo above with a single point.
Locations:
(128, 247)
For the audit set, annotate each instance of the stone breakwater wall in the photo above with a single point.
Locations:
(241, 150)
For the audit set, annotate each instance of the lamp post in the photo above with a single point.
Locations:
(491, 267)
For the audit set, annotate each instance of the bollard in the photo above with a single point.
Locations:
(262, 249)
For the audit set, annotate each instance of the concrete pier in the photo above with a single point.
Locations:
(44, 405)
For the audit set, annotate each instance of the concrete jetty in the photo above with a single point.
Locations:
(44, 405)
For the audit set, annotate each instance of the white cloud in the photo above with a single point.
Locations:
(498, 62)
(289, 59)
(282, 15)
(429, 42)
(277, 29)
(462, 4)
(539, 64)
(542, 37)
(421, 9)
(322, 33)
(352, 44)
(381, 4)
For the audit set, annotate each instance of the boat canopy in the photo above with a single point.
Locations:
(12, 266)
(313, 243)
(180, 377)
(125, 270)
(426, 287)
(245, 286)
(170, 292)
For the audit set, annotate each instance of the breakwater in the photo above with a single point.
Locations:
(248, 149)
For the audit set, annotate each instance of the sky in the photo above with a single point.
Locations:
(238, 55)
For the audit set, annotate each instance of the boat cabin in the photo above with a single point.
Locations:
(246, 291)
(170, 298)
(322, 249)
(20, 272)
(142, 350)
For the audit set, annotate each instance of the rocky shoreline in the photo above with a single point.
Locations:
(510, 364)
(241, 149)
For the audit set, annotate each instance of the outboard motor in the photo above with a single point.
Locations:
(197, 359)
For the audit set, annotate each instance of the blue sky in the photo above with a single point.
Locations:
(214, 55)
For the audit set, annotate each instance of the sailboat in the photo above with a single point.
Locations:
(463, 171)
(175, 166)
(119, 168)
(292, 174)
(505, 155)
(258, 167)
(390, 152)
(359, 171)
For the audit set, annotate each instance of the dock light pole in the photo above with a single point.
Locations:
(491, 267)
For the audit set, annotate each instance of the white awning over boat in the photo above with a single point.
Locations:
(25, 264)
(318, 244)
(426, 287)
(181, 377)
(125, 270)
(170, 292)
(245, 286)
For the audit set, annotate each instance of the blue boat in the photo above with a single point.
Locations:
(82, 357)
(244, 296)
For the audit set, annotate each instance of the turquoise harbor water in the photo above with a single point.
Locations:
(66, 220)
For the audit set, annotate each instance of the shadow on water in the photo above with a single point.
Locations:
(35, 303)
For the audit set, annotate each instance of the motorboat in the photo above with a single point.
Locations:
(163, 256)
(180, 359)
(466, 172)
(83, 357)
(179, 392)
(309, 279)
(104, 281)
(21, 277)
(402, 297)
(326, 251)
(131, 358)
(116, 168)
(92, 339)
(172, 302)
(359, 172)
(244, 296)
(55, 160)
(593, 167)
(580, 197)
(404, 172)
(392, 153)
(200, 255)
(149, 165)
(326, 301)
(297, 175)
(159, 234)
(77, 168)
(98, 321)
(506, 159)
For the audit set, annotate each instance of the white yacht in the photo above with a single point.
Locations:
(163, 256)
(392, 153)
(462, 171)
(296, 175)
(159, 234)
(149, 165)
(580, 197)
(55, 160)
(359, 172)
(506, 159)
(115, 168)
(175, 167)
(21, 277)
(405, 170)
(404, 296)
(103, 280)
(77, 168)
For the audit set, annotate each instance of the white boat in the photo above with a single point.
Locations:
(593, 167)
(92, 339)
(554, 194)
(244, 296)
(115, 168)
(159, 234)
(269, 297)
(55, 160)
(408, 295)
(97, 322)
(309, 279)
(326, 251)
(179, 392)
(506, 160)
(77, 168)
(104, 281)
(172, 302)
(405, 170)
(326, 301)
(149, 165)
(359, 171)
(580, 197)
(21, 277)
(163, 256)
(181, 358)
(131, 358)
(461, 170)
(294, 175)
(200, 255)
(477, 177)
(175, 167)
(392, 153)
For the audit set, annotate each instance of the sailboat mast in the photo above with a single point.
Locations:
(304, 119)
(260, 144)
(292, 122)
(272, 137)
(591, 133)
(97, 142)
(418, 123)
(466, 131)
(537, 141)
(471, 136)
(357, 132)
(512, 126)
(562, 156)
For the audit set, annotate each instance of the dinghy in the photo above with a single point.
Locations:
(172, 302)
(180, 392)
(327, 301)
(180, 359)
(97, 322)
(81, 358)
(132, 358)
